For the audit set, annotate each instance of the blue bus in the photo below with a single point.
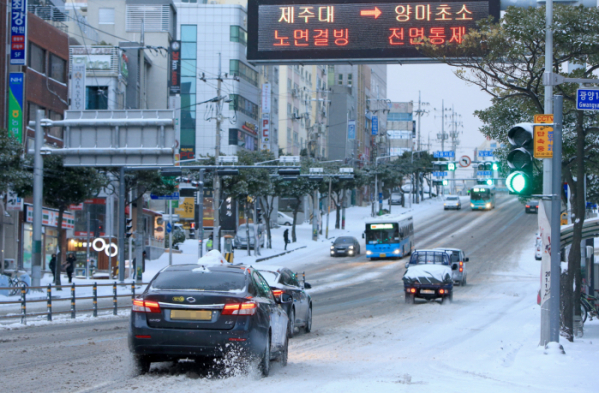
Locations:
(389, 236)
(482, 197)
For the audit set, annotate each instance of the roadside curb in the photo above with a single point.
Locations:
(278, 255)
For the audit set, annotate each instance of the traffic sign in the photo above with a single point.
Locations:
(172, 197)
(543, 137)
(315, 31)
(485, 153)
(484, 173)
(465, 161)
(169, 227)
(443, 154)
(439, 174)
(375, 125)
(587, 99)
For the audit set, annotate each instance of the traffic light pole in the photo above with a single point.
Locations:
(122, 219)
(554, 301)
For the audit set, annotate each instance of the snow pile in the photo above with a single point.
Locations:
(213, 257)
(431, 273)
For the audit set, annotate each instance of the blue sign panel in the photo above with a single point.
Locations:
(587, 99)
(375, 125)
(485, 153)
(443, 154)
(439, 174)
(173, 197)
(169, 227)
(484, 173)
(351, 130)
(381, 198)
(18, 32)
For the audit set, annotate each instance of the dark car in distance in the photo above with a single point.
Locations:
(345, 245)
(285, 283)
(205, 312)
(532, 207)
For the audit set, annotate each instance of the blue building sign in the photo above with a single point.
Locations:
(485, 153)
(351, 130)
(18, 32)
(375, 125)
(443, 154)
(587, 99)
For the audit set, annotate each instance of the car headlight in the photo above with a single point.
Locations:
(396, 251)
(488, 205)
(368, 252)
(445, 204)
(332, 247)
(351, 247)
(472, 205)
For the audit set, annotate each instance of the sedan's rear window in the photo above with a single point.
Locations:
(200, 280)
(270, 277)
(344, 240)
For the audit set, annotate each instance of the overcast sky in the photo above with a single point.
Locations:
(437, 83)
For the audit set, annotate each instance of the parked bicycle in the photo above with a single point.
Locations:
(16, 285)
(589, 306)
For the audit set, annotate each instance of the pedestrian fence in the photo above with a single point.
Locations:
(73, 299)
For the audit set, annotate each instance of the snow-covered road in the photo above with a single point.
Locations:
(364, 338)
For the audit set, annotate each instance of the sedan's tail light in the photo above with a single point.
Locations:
(527, 206)
(277, 292)
(461, 266)
(140, 305)
(247, 308)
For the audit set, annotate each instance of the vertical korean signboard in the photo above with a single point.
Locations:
(375, 125)
(18, 32)
(78, 83)
(265, 128)
(543, 137)
(175, 68)
(351, 130)
(15, 105)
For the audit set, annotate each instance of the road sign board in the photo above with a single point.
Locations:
(587, 99)
(375, 125)
(172, 197)
(314, 31)
(169, 227)
(543, 137)
(465, 161)
(484, 173)
(439, 174)
(485, 153)
(443, 154)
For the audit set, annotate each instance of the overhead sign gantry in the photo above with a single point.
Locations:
(312, 31)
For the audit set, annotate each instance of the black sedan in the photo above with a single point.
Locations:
(345, 245)
(285, 283)
(532, 207)
(200, 312)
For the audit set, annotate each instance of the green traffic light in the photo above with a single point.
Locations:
(517, 182)
(495, 166)
(489, 182)
(451, 166)
(445, 182)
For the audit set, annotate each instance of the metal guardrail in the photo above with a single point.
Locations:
(73, 299)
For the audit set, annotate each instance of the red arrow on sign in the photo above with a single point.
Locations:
(375, 12)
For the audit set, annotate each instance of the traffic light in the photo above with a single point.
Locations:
(128, 228)
(489, 182)
(445, 182)
(520, 159)
(437, 183)
(495, 166)
(451, 166)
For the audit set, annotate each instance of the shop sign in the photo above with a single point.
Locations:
(50, 218)
(250, 128)
(18, 32)
(14, 203)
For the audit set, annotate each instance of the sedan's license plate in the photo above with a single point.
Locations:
(191, 315)
(427, 291)
(383, 255)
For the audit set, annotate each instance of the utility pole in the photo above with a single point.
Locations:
(216, 199)
(200, 222)
(38, 189)
(142, 68)
(328, 207)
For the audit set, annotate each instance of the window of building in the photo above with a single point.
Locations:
(350, 79)
(289, 135)
(243, 105)
(189, 33)
(233, 136)
(289, 109)
(238, 34)
(31, 111)
(96, 97)
(189, 50)
(276, 106)
(106, 16)
(295, 138)
(289, 83)
(189, 1)
(57, 68)
(154, 17)
(276, 71)
(239, 68)
(340, 79)
(55, 131)
(37, 58)
(188, 68)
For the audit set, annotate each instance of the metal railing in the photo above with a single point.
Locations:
(73, 299)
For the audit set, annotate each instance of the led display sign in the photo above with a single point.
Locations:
(316, 31)
(381, 226)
